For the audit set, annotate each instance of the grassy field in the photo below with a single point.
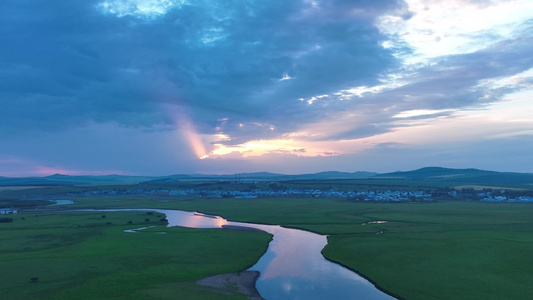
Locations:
(445, 250)
(363, 184)
(17, 188)
(442, 250)
(496, 187)
(86, 255)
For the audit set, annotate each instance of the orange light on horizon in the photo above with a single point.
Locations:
(261, 147)
(187, 130)
(195, 142)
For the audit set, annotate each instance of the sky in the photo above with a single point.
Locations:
(160, 87)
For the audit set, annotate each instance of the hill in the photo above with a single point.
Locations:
(264, 176)
(58, 179)
(461, 176)
(435, 174)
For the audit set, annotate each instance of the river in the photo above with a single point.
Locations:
(293, 266)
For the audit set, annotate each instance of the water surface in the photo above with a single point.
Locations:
(61, 202)
(293, 266)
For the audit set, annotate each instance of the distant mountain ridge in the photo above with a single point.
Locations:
(267, 176)
(461, 175)
(332, 175)
(427, 173)
(59, 179)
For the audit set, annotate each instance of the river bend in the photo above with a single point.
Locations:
(293, 266)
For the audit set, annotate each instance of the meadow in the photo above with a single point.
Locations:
(437, 250)
(441, 250)
(87, 255)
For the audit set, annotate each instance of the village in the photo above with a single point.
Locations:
(359, 196)
(386, 195)
(374, 195)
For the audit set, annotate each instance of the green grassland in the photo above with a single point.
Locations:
(87, 255)
(443, 250)
(438, 250)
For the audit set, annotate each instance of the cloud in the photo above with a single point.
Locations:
(67, 64)
(230, 75)
(100, 147)
(437, 28)
(450, 83)
(139, 8)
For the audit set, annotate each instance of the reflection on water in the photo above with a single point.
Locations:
(288, 247)
(292, 267)
(193, 220)
(61, 202)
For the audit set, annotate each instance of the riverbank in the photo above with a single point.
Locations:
(119, 267)
(442, 250)
(241, 228)
(245, 282)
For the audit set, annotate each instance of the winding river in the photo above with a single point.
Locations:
(293, 266)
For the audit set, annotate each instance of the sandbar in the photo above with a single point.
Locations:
(244, 280)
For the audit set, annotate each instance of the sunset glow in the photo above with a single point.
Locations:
(187, 130)
(140, 87)
(195, 143)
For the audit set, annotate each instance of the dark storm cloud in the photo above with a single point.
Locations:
(62, 64)
(68, 63)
